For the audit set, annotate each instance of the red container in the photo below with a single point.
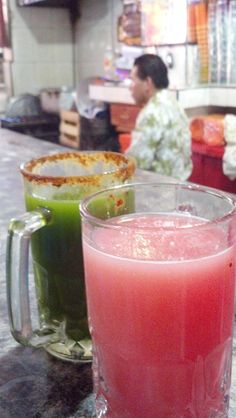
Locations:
(124, 141)
(208, 167)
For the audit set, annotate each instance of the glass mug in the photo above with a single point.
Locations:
(160, 275)
(54, 186)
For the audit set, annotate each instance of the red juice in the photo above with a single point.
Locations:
(161, 308)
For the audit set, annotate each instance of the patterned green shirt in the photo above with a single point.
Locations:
(161, 140)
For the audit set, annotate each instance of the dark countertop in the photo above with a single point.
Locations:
(32, 383)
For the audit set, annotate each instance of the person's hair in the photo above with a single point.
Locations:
(150, 65)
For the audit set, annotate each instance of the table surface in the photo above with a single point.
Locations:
(32, 383)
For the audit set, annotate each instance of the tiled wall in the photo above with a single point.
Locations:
(96, 30)
(44, 54)
(42, 44)
(42, 48)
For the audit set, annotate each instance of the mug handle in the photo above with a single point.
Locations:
(17, 276)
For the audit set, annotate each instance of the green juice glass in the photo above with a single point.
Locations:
(54, 186)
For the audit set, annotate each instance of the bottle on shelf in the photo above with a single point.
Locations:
(108, 64)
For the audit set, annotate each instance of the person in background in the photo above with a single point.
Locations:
(161, 140)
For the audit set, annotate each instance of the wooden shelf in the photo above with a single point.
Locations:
(70, 129)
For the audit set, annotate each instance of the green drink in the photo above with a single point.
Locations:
(57, 250)
(54, 187)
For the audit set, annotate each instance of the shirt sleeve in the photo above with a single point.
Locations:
(145, 138)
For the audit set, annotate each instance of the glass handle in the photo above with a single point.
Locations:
(17, 274)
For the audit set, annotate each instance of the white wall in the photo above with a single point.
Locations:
(96, 29)
(42, 48)
(185, 69)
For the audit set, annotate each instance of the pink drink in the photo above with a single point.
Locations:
(162, 330)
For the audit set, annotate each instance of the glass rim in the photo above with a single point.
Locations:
(125, 170)
(184, 185)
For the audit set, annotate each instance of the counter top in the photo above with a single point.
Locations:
(32, 383)
(189, 97)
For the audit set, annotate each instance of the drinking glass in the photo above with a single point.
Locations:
(160, 277)
(54, 186)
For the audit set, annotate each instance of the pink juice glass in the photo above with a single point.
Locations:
(160, 278)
